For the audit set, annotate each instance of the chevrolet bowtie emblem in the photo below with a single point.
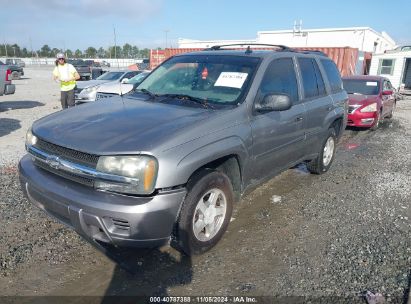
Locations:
(53, 161)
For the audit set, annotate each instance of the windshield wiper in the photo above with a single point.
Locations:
(145, 91)
(203, 102)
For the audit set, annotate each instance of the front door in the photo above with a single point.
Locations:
(278, 136)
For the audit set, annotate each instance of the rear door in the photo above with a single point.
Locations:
(318, 103)
(278, 136)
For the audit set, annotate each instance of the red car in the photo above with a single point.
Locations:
(371, 100)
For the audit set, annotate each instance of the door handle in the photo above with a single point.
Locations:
(299, 118)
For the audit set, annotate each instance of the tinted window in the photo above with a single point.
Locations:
(313, 82)
(280, 78)
(333, 75)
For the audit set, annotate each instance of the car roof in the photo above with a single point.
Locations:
(364, 77)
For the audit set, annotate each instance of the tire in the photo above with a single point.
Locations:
(15, 75)
(377, 122)
(205, 214)
(323, 162)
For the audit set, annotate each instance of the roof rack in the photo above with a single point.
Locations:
(219, 47)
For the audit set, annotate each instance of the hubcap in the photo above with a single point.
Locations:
(209, 214)
(328, 151)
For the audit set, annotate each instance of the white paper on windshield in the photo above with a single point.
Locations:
(371, 83)
(231, 79)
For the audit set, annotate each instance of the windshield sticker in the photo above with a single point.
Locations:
(231, 79)
(371, 83)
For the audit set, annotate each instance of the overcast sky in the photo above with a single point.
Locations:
(79, 24)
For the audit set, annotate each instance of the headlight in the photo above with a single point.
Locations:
(370, 108)
(141, 168)
(90, 93)
(31, 139)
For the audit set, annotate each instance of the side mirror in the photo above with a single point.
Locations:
(274, 102)
(387, 92)
(124, 80)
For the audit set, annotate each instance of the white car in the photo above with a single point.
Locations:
(85, 91)
(115, 88)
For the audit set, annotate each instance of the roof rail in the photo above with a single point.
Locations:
(311, 52)
(219, 47)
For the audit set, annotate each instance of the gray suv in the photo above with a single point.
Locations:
(166, 163)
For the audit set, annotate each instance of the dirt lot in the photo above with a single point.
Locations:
(330, 236)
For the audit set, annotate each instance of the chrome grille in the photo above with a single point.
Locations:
(75, 178)
(89, 160)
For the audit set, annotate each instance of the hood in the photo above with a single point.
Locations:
(362, 99)
(89, 83)
(115, 88)
(119, 125)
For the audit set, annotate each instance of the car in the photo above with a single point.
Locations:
(115, 88)
(105, 63)
(16, 71)
(16, 61)
(166, 163)
(371, 99)
(86, 91)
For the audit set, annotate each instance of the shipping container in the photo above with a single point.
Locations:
(348, 60)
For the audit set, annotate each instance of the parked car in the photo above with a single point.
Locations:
(6, 87)
(16, 61)
(16, 71)
(371, 99)
(115, 88)
(86, 91)
(105, 63)
(86, 69)
(167, 162)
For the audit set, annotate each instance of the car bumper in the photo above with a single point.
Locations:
(359, 119)
(9, 89)
(110, 218)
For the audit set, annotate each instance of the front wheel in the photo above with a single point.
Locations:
(205, 213)
(322, 163)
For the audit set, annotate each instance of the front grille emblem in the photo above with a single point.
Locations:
(53, 161)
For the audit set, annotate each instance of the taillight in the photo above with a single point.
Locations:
(8, 75)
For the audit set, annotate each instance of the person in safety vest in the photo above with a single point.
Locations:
(67, 75)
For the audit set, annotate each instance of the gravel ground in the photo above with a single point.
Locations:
(335, 235)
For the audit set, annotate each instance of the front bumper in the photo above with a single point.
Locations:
(365, 120)
(110, 218)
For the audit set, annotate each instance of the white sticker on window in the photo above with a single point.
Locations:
(371, 83)
(231, 79)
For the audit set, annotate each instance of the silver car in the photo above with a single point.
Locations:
(86, 91)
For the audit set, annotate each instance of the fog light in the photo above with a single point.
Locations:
(367, 121)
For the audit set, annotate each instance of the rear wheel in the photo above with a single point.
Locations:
(205, 214)
(322, 163)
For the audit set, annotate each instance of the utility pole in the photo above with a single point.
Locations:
(5, 46)
(115, 47)
(166, 32)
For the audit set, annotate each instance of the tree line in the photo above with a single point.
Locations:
(125, 51)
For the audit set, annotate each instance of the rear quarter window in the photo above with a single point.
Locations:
(333, 75)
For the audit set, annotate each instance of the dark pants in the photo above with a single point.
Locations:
(67, 99)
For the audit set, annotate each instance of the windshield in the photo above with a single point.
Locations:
(110, 76)
(361, 86)
(216, 79)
